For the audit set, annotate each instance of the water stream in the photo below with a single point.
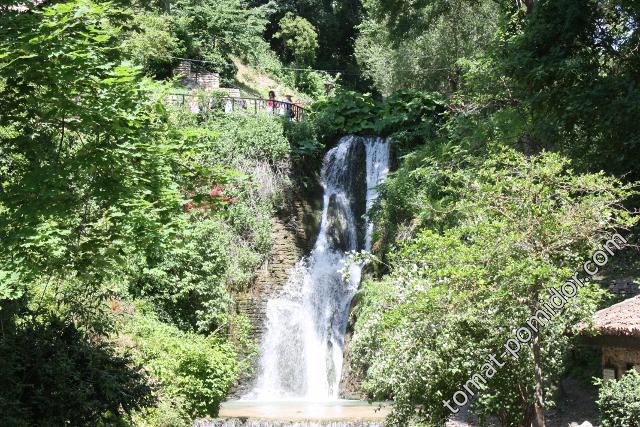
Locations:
(301, 353)
(302, 349)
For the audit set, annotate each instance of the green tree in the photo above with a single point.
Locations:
(336, 26)
(619, 401)
(573, 69)
(299, 38)
(87, 169)
(153, 42)
(565, 72)
(214, 31)
(512, 228)
(428, 56)
(87, 162)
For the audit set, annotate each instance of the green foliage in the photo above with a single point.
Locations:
(302, 138)
(87, 170)
(215, 30)
(573, 66)
(346, 112)
(422, 48)
(416, 184)
(153, 42)
(504, 229)
(242, 136)
(619, 401)
(334, 22)
(299, 38)
(106, 194)
(408, 117)
(562, 73)
(53, 375)
(311, 82)
(194, 372)
(188, 282)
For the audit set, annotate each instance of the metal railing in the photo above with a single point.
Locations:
(231, 104)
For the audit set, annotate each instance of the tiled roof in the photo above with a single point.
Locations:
(622, 319)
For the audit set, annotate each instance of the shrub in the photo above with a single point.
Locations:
(52, 374)
(302, 138)
(310, 82)
(187, 284)
(408, 117)
(244, 136)
(619, 401)
(346, 112)
(194, 372)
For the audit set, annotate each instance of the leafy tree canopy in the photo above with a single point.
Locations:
(300, 39)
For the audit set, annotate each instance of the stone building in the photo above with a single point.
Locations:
(617, 333)
(196, 79)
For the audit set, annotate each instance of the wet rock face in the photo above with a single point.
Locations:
(357, 186)
(352, 180)
(338, 230)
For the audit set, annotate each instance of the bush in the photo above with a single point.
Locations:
(619, 401)
(187, 284)
(194, 372)
(302, 138)
(408, 117)
(246, 137)
(310, 82)
(52, 374)
(347, 112)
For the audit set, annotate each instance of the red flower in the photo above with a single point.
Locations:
(215, 191)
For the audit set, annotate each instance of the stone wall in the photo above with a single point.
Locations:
(192, 79)
(620, 359)
(350, 383)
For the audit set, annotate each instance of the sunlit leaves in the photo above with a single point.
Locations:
(87, 174)
(508, 229)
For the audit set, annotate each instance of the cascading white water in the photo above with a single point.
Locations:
(302, 350)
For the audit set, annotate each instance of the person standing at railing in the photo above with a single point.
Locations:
(288, 108)
(271, 102)
(228, 105)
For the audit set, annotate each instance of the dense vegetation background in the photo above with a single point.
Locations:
(126, 225)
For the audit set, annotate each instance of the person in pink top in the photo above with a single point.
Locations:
(271, 103)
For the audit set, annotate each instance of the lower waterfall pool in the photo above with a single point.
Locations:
(331, 413)
(302, 410)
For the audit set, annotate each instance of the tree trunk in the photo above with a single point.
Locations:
(527, 3)
(538, 416)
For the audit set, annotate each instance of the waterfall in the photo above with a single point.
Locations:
(302, 350)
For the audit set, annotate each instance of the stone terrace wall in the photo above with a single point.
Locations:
(197, 80)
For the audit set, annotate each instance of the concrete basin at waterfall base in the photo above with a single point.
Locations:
(336, 410)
